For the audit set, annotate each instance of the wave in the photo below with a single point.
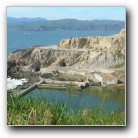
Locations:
(13, 83)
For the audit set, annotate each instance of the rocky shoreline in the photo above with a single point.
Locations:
(88, 59)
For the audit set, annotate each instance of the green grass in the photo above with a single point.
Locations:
(119, 65)
(41, 112)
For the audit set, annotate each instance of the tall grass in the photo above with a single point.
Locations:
(42, 112)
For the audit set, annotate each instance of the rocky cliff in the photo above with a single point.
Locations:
(92, 52)
(114, 42)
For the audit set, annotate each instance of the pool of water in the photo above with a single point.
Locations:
(108, 98)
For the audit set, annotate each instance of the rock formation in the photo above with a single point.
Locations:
(92, 52)
(114, 42)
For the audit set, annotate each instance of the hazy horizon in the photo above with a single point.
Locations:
(62, 19)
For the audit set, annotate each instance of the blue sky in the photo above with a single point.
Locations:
(80, 13)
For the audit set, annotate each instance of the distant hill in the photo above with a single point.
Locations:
(22, 19)
(65, 25)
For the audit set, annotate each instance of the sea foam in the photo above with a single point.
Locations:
(13, 83)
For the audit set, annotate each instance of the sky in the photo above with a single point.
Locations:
(80, 13)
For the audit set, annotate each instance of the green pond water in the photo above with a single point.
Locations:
(108, 98)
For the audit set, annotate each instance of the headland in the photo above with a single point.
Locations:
(82, 61)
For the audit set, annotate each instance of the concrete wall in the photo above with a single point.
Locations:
(48, 81)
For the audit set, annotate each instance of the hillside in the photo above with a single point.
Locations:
(65, 25)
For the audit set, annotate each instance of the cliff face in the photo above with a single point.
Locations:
(114, 42)
(84, 53)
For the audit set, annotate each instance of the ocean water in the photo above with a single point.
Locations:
(27, 39)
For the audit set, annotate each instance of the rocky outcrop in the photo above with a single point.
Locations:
(114, 42)
(92, 52)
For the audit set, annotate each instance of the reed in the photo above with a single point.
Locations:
(42, 112)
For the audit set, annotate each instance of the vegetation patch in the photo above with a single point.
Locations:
(119, 65)
(41, 112)
(119, 53)
(118, 73)
(69, 77)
